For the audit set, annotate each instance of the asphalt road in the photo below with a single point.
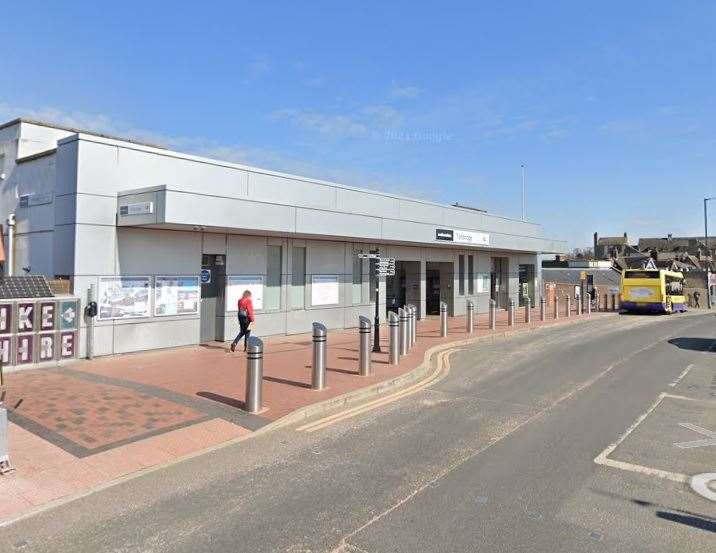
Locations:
(498, 455)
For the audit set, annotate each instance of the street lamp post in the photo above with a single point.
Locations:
(706, 243)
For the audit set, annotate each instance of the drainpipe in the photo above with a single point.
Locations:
(10, 262)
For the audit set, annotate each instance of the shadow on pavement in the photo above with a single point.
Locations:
(694, 344)
(230, 401)
(693, 521)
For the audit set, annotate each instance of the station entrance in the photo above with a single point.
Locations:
(438, 286)
(404, 287)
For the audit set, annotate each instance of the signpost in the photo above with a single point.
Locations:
(383, 266)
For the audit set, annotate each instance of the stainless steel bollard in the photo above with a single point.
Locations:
(403, 320)
(589, 305)
(318, 376)
(470, 317)
(393, 338)
(579, 305)
(615, 303)
(556, 307)
(493, 314)
(511, 312)
(443, 319)
(364, 328)
(414, 325)
(254, 374)
(409, 313)
(567, 306)
(542, 308)
(4, 450)
(528, 310)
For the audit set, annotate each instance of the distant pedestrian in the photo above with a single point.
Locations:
(246, 319)
(697, 296)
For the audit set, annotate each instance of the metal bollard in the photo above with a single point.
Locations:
(364, 328)
(254, 374)
(589, 305)
(5, 465)
(615, 303)
(567, 306)
(556, 307)
(411, 324)
(443, 319)
(403, 320)
(579, 305)
(318, 377)
(393, 338)
(414, 326)
(606, 302)
(493, 314)
(511, 313)
(542, 308)
(470, 317)
(528, 310)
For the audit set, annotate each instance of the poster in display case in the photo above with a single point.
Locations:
(176, 295)
(123, 297)
(235, 286)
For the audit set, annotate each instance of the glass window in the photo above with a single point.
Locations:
(272, 294)
(357, 288)
(298, 278)
(461, 274)
(372, 280)
(471, 274)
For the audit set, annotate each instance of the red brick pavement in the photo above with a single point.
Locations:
(121, 413)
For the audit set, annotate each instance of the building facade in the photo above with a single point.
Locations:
(168, 241)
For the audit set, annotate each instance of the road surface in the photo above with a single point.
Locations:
(558, 440)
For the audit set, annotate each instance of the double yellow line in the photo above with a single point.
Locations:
(442, 368)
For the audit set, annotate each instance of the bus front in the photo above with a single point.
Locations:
(643, 291)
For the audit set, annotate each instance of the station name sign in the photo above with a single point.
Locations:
(462, 237)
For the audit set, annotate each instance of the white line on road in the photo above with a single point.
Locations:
(681, 376)
(711, 440)
(603, 457)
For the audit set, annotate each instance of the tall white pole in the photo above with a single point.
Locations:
(10, 257)
(523, 193)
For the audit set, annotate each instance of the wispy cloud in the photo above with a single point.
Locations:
(404, 92)
(371, 120)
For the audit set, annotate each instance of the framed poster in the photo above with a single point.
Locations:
(325, 290)
(235, 286)
(176, 295)
(123, 297)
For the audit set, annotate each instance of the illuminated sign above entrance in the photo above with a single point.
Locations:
(462, 237)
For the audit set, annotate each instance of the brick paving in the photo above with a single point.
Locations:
(74, 428)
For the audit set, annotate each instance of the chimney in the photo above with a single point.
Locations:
(596, 239)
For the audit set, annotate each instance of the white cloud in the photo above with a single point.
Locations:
(404, 92)
(371, 120)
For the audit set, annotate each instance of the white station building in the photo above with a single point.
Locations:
(168, 241)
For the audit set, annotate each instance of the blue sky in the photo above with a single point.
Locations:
(610, 105)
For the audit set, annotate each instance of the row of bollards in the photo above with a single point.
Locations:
(402, 334)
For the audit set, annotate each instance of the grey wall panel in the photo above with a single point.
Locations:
(137, 219)
(65, 209)
(139, 169)
(327, 223)
(95, 250)
(66, 168)
(96, 210)
(34, 253)
(63, 250)
(270, 188)
(158, 252)
(103, 341)
(421, 212)
(97, 169)
(210, 211)
(368, 204)
(155, 334)
(325, 258)
(246, 255)
(213, 243)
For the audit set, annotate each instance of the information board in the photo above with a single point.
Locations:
(123, 297)
(237, 284)
(325, 290)
(176, 295)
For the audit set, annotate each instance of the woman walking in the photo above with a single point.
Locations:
(246, 319)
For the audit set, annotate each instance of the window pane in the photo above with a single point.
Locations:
(357, 287)
(470, 274)
(298, 278)
(272, 294)
(372, 282)
(461, 274)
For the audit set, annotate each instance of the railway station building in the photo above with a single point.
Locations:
(168, 241)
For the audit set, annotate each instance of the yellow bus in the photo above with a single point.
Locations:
(652, 290)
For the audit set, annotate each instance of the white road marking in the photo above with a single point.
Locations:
(681, 376)
(700, 484)
(603, 457)
(711, 440)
